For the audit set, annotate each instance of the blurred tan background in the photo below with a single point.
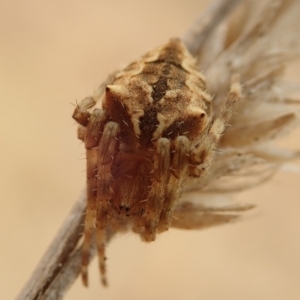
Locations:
(53, 53)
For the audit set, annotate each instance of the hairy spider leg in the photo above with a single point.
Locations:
(90, 217)
(161, 175)
(91, 139)
(81, 113)
(179, 168)
(94, 128)
(107, 151)
(202, 156)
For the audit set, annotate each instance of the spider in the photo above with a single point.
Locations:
(148, 130)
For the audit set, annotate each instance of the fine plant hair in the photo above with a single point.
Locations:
(257, 42)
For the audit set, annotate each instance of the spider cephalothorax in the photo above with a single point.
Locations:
(153, 130)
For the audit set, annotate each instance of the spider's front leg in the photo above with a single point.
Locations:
(91, 139)
(81, 113)
(90, 129)
(161, 176)
(202, 156)
(107, 150)
(170, 171)
(179, 168)
(100, 160)
(101, 143)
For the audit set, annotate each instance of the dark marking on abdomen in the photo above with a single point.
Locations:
(159, 89)
(148, 124)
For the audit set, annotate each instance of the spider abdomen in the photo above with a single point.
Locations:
(161, 95)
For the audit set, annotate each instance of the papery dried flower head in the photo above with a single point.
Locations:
(258, 44)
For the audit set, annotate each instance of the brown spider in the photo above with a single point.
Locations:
(152, 129)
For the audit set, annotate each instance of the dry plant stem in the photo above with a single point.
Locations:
(203, 26)
(61, 262)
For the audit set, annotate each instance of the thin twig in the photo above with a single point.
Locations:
(61, 263)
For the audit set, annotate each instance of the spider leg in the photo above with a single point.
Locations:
(90, 217)
(92, 135)
(81, 132)
(107, 150)
(161, 175)
(94, 128)
(202, 156)
(81, 113)
(179, 168)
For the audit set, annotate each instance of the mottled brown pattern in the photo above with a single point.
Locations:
(167, 72)
(154, 130)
